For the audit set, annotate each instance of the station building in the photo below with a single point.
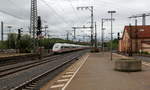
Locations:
(135, 39)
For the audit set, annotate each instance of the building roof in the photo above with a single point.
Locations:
(143, 32)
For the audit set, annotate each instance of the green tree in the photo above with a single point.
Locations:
(12, 40)
(3, 45)
(114, 44)
(25, 43)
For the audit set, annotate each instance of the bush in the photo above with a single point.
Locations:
(25, 44)
(3, 45)
(144, 52)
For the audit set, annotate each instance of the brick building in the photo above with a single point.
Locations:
(135, 39)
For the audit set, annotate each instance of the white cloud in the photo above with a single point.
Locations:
(61, 15)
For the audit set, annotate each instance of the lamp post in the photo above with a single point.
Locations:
(111, 12)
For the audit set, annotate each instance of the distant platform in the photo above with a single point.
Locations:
(12, 54)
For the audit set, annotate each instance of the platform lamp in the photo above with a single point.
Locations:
(111, 12)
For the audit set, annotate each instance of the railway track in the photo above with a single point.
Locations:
(31, 83)
(4, 71)
(61, 60)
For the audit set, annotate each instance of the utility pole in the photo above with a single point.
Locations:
(92, 27)
(91, 8)
(118, 35)
(143, 17)
(95, 35)
(2, 31)
(9, 29)
(33, 21)
(102, 30)
(67, 36)
(136, 36)
(111, 13)
(130, 54)
(74, 30)
(102, 34)
(46, 26)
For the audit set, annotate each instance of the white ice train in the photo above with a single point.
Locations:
(65, 47)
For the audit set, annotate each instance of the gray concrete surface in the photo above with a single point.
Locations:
(98, 74)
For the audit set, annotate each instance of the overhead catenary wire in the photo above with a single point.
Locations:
(74, 10)
(63, 10)
(55, 12)
(15, 5)
(15, 16)
(10, 14)
(115, 5)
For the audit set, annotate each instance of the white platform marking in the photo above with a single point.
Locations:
(57, 86)
(62, 80)
(66, 76)
(75, 73)
(69, 73)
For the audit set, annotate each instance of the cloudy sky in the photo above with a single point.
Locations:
(61, 15)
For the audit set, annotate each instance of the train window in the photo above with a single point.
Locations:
(66, 47)
(56, 46)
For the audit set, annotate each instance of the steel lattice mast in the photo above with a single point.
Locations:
(33, 20)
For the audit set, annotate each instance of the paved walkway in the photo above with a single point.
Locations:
(97, 74)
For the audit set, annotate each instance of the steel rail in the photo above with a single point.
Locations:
(35, 79)
(9, 71)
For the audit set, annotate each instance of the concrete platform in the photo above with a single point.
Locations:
(95, 71)
(98, 74)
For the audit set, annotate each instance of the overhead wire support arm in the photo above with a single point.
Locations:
(143, 17)
(81, 27)
(74, 29)
(102, 32)
(91, 9)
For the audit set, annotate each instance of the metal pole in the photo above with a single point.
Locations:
(67, 36)
(111, 12)
(102, 36)
(144, 19)
(111, 37)
(74, 33)
(9, 29)
(45, 32)
(130, 40)
(2, 31)
(92, 20)
(33, 21)
(136, 36)
(95, 35)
